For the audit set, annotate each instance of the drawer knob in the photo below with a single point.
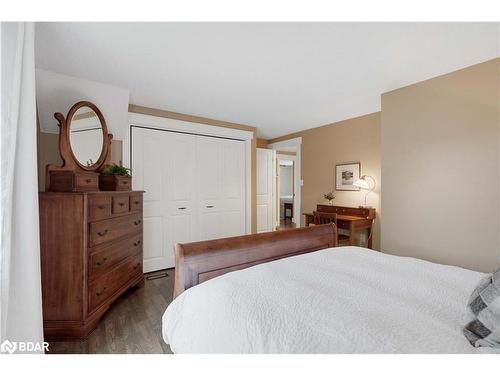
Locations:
(137, 222)
(88, 180)
(101, 207)
(136, 202)
(121, 204)
(101, 262)
(124, 182)
(137, 243)
(101, 292)
(103, 233)
(210, 206)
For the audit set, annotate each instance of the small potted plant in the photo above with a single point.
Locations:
(115, 178)
(329, 197)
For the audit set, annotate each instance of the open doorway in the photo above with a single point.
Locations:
(284, 181)
(288, 183)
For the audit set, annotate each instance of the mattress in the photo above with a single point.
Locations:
(338, 300)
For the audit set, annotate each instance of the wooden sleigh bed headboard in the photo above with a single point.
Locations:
(197, 262)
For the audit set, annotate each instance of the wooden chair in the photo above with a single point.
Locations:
(327, 218)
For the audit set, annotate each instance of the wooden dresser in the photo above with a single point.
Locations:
(91, 253)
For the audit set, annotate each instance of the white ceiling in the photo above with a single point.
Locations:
(279, 77)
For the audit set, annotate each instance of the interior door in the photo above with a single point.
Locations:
(232, 193)
(265, 190)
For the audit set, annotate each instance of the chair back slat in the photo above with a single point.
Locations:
(324, 217)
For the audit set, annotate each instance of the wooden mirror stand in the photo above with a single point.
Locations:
(73, 175)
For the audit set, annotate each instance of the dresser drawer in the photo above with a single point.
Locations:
(111, 229)
(99, 207)
(136, 202)
(105, 286)
(86, 182)
(105, 257)
(121, 204)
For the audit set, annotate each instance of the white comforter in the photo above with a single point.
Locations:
(342, 300)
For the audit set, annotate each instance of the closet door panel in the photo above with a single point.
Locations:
(208, 183)
(182, 158)
(153, 239)
(148, 174)
(210, 226)
(208, 168)
(181, 210)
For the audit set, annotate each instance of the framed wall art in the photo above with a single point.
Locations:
(346, 175)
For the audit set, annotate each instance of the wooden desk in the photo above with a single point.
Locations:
(352, 219)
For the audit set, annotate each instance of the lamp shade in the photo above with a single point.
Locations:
(362, 183)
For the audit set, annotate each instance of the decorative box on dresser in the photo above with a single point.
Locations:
(91, 253)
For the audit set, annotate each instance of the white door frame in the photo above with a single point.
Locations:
(294, 142)
(163, 123)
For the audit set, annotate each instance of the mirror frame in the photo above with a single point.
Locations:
(70, 162)
(69, 159)
(67, 129)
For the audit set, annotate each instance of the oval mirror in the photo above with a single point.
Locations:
(86, 136)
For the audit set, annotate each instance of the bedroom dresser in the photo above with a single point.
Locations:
(90, 240)
(91, 253)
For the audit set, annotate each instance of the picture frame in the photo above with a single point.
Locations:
(346, 175)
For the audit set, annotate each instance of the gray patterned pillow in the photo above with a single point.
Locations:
(483, 313)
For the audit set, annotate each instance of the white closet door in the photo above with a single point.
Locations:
(147, 163)
(194, 190)
(220, 174)
(265, 190)
(163, 166)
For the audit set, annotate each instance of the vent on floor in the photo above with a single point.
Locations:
(157, 275)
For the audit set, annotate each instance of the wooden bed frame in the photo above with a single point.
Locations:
(197, 262)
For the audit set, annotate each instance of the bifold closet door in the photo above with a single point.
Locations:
(163, 166)
(220, 166)
(194, 190)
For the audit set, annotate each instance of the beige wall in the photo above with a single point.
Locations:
(48, 153)
(440, 168)
(353, 140)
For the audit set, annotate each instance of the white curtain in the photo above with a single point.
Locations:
(21, 301)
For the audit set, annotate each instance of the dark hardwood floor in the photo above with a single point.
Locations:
(131, 325)
(286, 224)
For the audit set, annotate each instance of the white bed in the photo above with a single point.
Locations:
(339, 300)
